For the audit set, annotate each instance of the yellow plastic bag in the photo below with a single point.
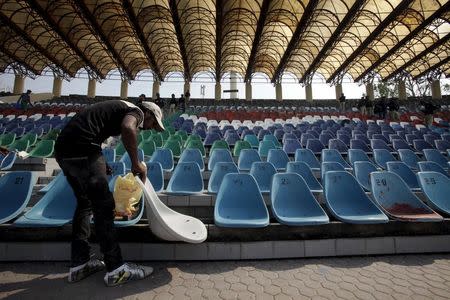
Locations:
(127, 194)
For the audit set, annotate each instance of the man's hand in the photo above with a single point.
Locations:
(140, 170)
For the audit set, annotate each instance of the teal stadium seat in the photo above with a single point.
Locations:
(436, 188)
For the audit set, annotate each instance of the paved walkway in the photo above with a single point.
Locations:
(383, 277)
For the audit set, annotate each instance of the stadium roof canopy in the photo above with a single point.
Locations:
(390, 38)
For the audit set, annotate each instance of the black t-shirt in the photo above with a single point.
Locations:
(87, 130)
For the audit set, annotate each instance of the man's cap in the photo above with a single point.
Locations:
(155, 110)
(142, 95)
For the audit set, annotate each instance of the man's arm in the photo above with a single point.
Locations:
(129, 139)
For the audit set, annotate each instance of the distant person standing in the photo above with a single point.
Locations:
(182, 103)
(369, 106)
(362, 105)
(187, 95)
(159, 101)
(393, 109)
(141, 99)
(24, 100)
(173, 104)
(342, 102)
(428, 110)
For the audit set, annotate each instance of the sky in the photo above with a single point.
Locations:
(261, 87)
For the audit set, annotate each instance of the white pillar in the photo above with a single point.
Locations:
(402, 90)
(248, 91)
(278, 92)
(91, 88)
(436, 90)
(218, 91)
(308, 91)
(187, 87)
(19, 82)
(124, 89)
(233, 85)
(370, 92)
(57, 84)
(155, 90)
(338, 89)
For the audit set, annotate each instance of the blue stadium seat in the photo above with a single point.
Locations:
(429, 138)
(325, 137)
(211, 138)
(51, 211)
(239, 203)
(436, 188)
(334, 155)
(378, 136)
(109, 154)
(46, 188)
(291, 145)
(15, 188)
(8, 161)
(363, 138)
(329, 166)
(304, 139)
(127, 161)
(218, 173)
(192, 155)
(409, 158)
(402, 170)
(442, 145)
(232, 138)
(357, 155)
(348, 202)
(186, 179)
(345, 138)
(308, 157)
(155, 175)
(420, 145)
(435, 156)
(246, 158)
(315, 145)
(263, 173)
(398, 201)
(302, 169)
(376, 144)
(253, 140)
(382, 156)
(399, 144)
(219, 155)
(117, 168)
(430, 166)
(278, 158)
(292, 202)
(273, 138)
(338, 145)
(362, 173)
(359, 144)
(165, 157)
(264, 147)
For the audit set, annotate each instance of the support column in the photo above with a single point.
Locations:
(155, 89)
(308, 92)
(91, 88)
(19, 82)
(370, 92)
(402, 90)
(218, 91)
(57, 84)
(124, 89)
(278, 91)
(338, 89)
(436, 90)
(248, 91)
(233, 85)
(187, 87)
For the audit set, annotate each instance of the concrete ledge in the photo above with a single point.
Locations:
(60, 251)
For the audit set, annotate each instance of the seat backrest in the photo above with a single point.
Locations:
(379, 144)
(194, 144)
(436, 187)
(334, 155)
(220, 144)
(401, 169)
(435, 156)
(302, 169)
(362, 173)
(329, 166)
(218, 173)
(314, 145)
(338, 145)
(148, 146)
(398, 144)
(165, 157)
(192, 155)
(246, 158)
(239, 203)
(117, 168)
(210, 138)
(363, 138)
(109, 154)
(127, 160)
(186, 179)
(264, 147)
(308, 157)
(278, 158)
(263, 173)
(252, 140)
(219, 155)
(382, 156)
(431, 166)
(359, 145)
(291, 145)
(305, 137)
(174, 146)
(15, 188)
(239, 146)
(355, 155)
(409, 158)
(442, 145)
(420, 145)
(155, 175)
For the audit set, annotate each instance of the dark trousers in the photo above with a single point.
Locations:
(88, 179)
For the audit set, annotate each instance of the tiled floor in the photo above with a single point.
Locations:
(382, 277)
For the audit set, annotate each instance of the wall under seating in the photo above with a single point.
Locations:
(34, 97)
